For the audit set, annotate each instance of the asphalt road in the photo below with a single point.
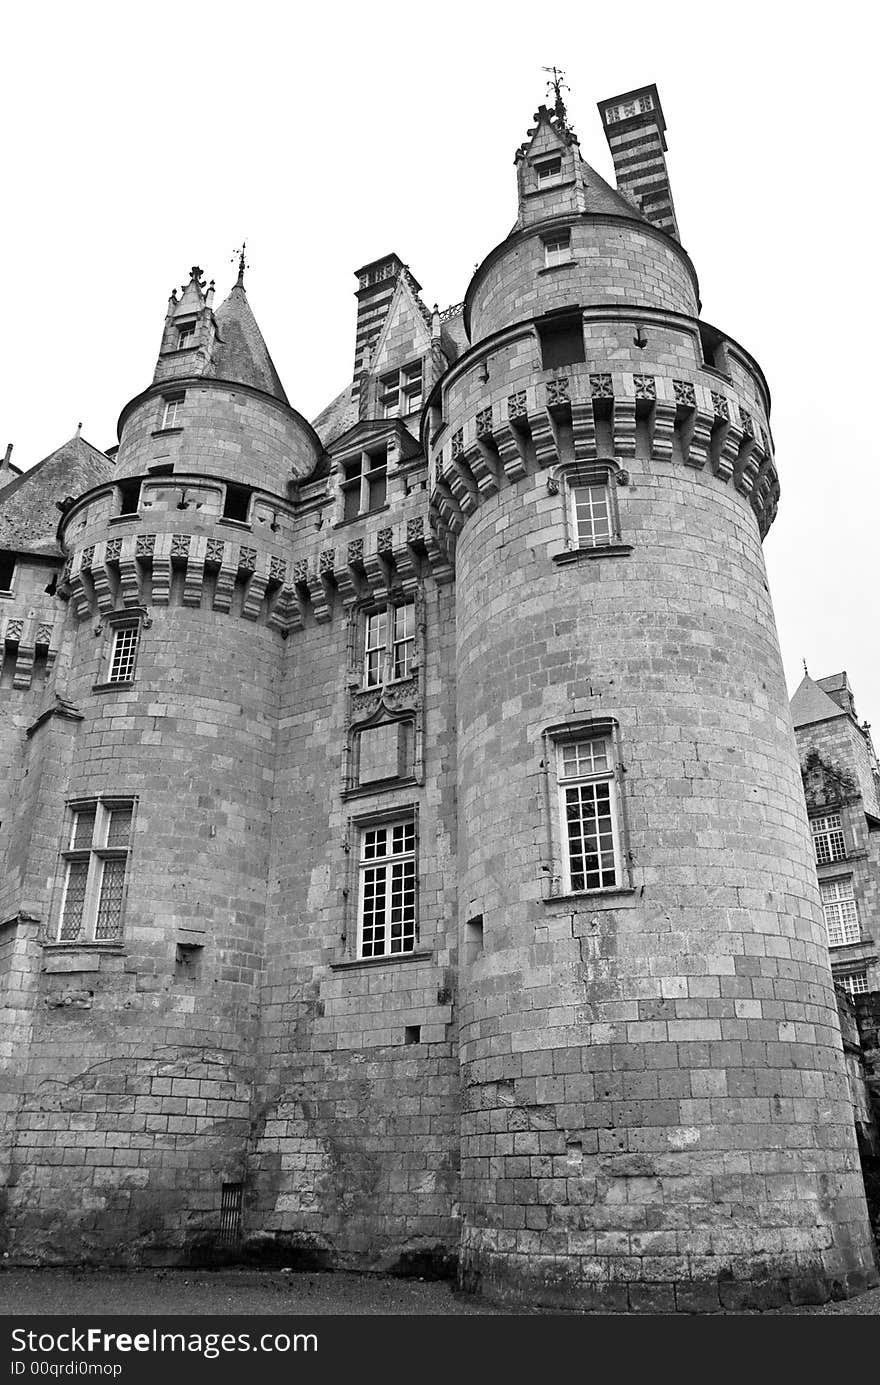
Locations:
(168, 1293)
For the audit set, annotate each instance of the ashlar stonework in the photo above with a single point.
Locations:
(404, 859)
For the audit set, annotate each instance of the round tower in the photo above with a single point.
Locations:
(178, 584)
(655, 1098)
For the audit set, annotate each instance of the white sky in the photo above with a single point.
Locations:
(143, 139)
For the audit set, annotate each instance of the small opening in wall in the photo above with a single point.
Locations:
(187, 959)
(236, 502)
(473, 938)
(162, 469)
(412, 1034)
(562, 340)
(7, 569)
(129, 497)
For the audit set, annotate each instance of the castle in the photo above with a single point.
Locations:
(403, 853)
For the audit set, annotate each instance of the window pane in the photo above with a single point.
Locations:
(125, 645)
(74, 900)
(590, 836)
(374, 646)
(585, 757)
(108, 924)
(119, 826)
(83, 829)
(388, 890)
(373, 920)
(592, 518)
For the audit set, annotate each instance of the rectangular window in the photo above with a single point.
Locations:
(186, 336)
(841, 916)
(236, 502)
(562, 341)
(7, 571)
(400, 393)
(828, 838)
(855, 982)
(588, 812)
(387, 889)
(364, 484)
(590, 514)
(95, 863)
(171, 411)
(389, 644)
(129, 497)
(548, 169)
(123, 654)
(557, 250)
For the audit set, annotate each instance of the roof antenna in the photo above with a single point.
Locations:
(557, 86)
(242, 265)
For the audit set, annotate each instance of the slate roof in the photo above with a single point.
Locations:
(240, 353)
(339, 415)
(811, 704)
(28, 514)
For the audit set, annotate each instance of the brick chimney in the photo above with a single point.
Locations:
(634, 127)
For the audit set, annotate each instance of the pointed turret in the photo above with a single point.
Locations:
(227, 345)
(553, 178)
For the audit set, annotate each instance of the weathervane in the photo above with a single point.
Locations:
(557, 85)
(242, 265)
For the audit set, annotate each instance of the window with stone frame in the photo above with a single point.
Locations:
(582, 761)
(841, 914)
(172, 410)
(387, 923)
(123, 652)
(186, 335)
(389, 643)
(557, 249)
(828, 839)
(592, 518)
(7, 571)
(364, 483)
(400, 392)
(94, 857)
(547, 170)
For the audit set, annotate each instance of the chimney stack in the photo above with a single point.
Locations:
(634, 126)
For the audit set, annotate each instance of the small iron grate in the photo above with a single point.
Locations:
(230, 1214)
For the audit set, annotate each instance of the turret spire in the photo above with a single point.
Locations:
(242, 264)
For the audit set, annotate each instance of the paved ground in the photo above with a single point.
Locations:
(165, 1293)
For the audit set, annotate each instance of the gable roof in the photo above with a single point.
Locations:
(339, 415)
(240, 353)
(28, 513)
(811, 704)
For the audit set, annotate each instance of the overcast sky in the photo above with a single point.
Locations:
(144, 138)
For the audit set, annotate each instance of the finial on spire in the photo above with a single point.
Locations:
(242, 264)
(557, 86)
(195, 276)
(806, 670)
(79, 429)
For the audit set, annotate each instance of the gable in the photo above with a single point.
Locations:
(405, 333)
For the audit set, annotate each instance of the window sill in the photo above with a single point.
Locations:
(361, 963)
(603, 550)
(7, 595)
(120, 686)
(552, 268)
(244, 524)
(380, 786)
(595, 898)
(165, 432)
(64, 957)
(356, 519)
(122, 519)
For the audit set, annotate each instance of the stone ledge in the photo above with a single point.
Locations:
(357, 963)
(580, 555)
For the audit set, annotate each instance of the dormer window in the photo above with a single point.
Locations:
(400, 393)
(171, 412)
(364, 484)
(557, 249)
(548, 169)
(186, 335)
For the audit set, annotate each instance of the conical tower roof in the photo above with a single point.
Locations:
(28, 509)
(239, 352)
